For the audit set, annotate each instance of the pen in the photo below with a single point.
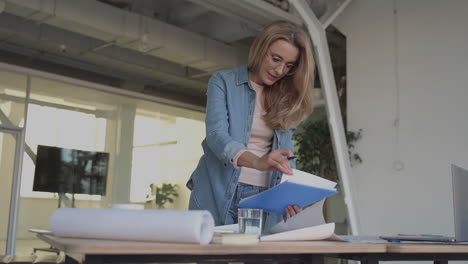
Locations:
(292, 157)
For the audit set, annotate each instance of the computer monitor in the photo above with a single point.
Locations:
(63, 170)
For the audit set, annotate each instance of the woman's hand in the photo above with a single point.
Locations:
(275, 160)
(291, 211)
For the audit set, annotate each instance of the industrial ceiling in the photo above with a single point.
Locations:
(158, 47)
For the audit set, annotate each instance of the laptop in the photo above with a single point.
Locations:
(460, 213)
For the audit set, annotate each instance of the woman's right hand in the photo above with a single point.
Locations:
(275, 160)
(291, 211)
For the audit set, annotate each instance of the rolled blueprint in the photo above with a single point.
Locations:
(134, 225)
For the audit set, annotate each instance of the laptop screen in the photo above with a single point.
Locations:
(460, 204)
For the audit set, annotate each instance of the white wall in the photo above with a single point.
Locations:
(423, 51)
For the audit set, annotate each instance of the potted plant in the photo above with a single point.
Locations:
(315, 151)
(315, 155)
(161, 194)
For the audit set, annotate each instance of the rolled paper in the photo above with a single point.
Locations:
(176, 226)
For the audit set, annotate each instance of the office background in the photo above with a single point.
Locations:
(406, 89)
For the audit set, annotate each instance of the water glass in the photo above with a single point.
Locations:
(250, 220)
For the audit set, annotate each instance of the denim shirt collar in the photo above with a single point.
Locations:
(242, 75)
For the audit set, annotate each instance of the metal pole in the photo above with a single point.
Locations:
(9, 129)
(15, 199)
(323, 61)
(16, 183)
(329, 20)
(338, 11)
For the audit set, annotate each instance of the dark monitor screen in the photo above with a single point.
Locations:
(64, 170)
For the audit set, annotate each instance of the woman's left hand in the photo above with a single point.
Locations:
(291, 211)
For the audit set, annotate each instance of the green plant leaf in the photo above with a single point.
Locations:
(165, 193)
(315, 150)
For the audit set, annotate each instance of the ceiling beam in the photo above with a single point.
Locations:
(75, 46)
(254, 13)
(133, 31)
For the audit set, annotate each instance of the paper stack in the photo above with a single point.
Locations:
(234, 238)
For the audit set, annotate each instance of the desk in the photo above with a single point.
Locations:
(439, 253)
(105, 251)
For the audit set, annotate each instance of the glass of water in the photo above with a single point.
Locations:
(250, 220)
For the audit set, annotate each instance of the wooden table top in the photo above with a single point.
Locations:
(95, 246)
(426, 248)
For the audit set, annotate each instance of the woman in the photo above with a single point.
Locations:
(251, 115)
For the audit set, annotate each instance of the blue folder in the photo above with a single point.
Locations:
(276, 199)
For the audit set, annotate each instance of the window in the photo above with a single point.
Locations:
(166, 148)
(147, 141)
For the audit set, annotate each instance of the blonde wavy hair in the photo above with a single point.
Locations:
(289, 100)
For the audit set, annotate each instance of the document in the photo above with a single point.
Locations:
(310, 216)
(300, 189)
(233, 228)
(41, 231)
(307, 225)
(320, 232)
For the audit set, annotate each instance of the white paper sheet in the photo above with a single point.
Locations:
(134, 225)
(320, 232)
(233, 228)
(306, 178)
(311, 216)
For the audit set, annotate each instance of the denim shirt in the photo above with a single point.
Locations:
(229, 115)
